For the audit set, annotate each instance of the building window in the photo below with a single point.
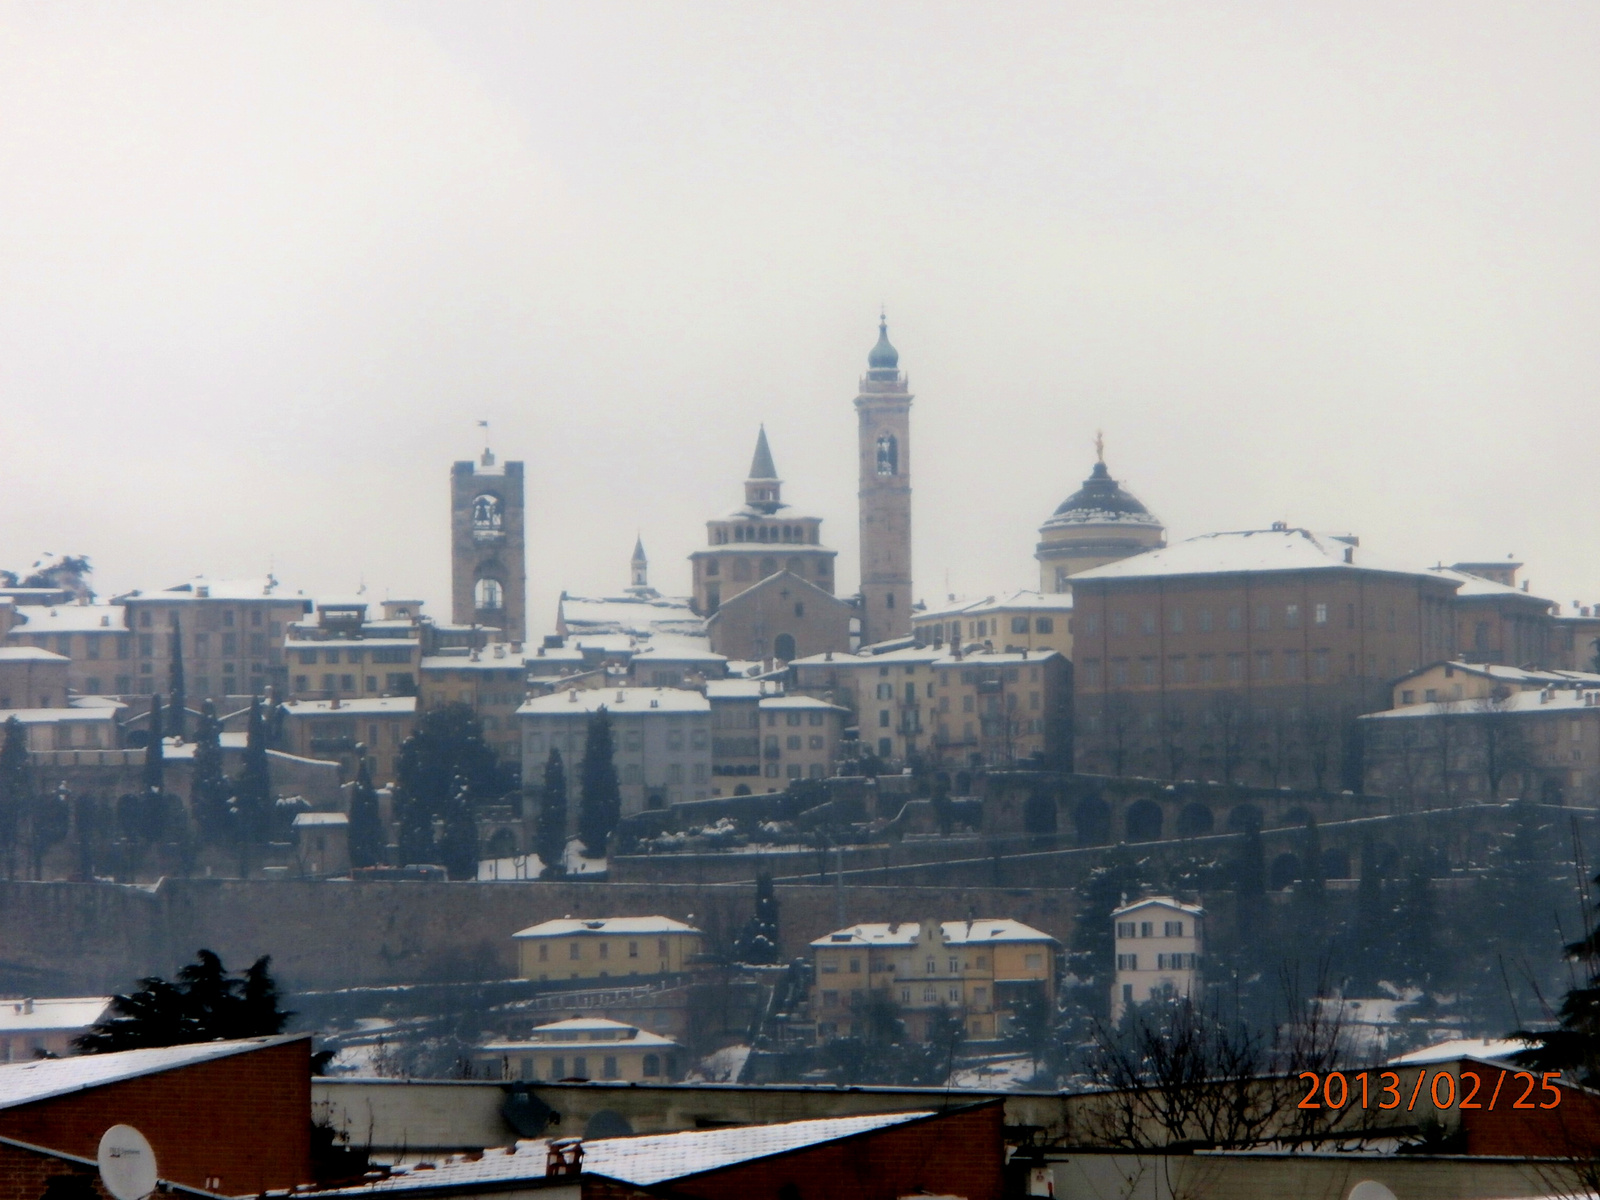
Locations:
(1173, 929)
(1319, 614)
(1044, 625)
(1408, 697)
(883, 718)
(1291, 616)
(1147, 622)
(1175, 620)
(1263, 664)
(1208, 668)
(1119, 623)
(1236, 667)
(574, 951)
(651, 1066)
(1147, 929)
(1319, 663)
(1127, 962)
(1033, 961)
(1202, 620)
(1124, 929)
(488, 594)
(1019, 624)
(1263, 617)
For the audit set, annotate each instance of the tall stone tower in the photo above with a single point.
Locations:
(488, 571)
(884, 410)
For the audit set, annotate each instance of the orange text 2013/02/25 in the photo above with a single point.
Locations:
(1386, 1090)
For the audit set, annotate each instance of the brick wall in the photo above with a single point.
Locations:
(244, 1119)
(958, 1154)
(28, 1175)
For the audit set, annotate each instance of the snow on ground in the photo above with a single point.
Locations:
(577, 864)
(1006, 1074)
(723, 1066)
(518, 866)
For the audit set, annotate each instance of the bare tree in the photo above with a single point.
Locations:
(1228, 719)
(1186, 1074)
(1501, 742)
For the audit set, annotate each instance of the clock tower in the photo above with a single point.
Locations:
(883, 408)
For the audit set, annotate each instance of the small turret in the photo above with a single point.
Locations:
(763, 487)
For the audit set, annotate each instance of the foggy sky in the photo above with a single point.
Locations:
(264, 267)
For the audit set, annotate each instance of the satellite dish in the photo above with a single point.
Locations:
(1370, 1189)
(127, 1163)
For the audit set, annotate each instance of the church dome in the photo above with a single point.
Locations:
(883, 357)
(1102, 501)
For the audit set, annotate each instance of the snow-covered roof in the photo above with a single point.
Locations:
(1525, 676)
(930, 655)
(1492, 1049)
(31, 654)
(1537, 701)
(643, 615)
(809, 702)
(568, 926)
(619, 701)
(341, 643)
(956, 933)
(484, 660)
(366, 706)
(676, 646)
(1476, 586)
(1162, 902)
(28, 1082)
(585, 1025)
(260, 588)
(741, 689)
(1043, 601)
(71, 618)
(320, 819)
(643, 1161)
(641, 1039)
(47, 1013)
(1250, 550)
(54, 716)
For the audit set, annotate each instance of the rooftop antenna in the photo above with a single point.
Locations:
(1100, 445)
(488, 454)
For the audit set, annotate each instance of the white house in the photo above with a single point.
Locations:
(1160, 947)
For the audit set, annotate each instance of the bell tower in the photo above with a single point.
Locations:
(488, 572)
(883, 408)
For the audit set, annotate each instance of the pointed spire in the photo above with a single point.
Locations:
(761, 466)
(638, 548)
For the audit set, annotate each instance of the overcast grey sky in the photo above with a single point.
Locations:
(264, 266)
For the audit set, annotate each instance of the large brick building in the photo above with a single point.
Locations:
(1247, 656)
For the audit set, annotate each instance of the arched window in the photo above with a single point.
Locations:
(783, 647)
(488, 514)
(888, 455)
(741, 569)
(769, 566)
(488, 594)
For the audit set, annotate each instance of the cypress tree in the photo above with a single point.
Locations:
(458, 842)
(551, 837)
(600, 792)
(366, 826)
(1368, 952)
(179, 694)
(16, 789)
(153, 778)
(208, 791)
(252, 790)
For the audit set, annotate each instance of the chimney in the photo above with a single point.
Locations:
(1350, 554)
(572, 696)
(334, 703)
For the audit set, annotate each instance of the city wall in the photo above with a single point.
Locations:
(89, 938)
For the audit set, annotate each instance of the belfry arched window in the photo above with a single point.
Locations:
(488, 514)
(888, 455)
(488, 594)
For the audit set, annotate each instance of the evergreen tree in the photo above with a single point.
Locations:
(208, 789)
(16, 789)
(1368, 954)
(600, 793)
(939, 798)
(1516, 919)
(551, 837)
(1415, 923)
(175, 680)
(204, 1003)
(759, 941)
(252, 791)
(1092, 955)
(1310, 892)
(458, 842)
(366, 825)
(49, 820)
(153, 777)
(445, 752)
